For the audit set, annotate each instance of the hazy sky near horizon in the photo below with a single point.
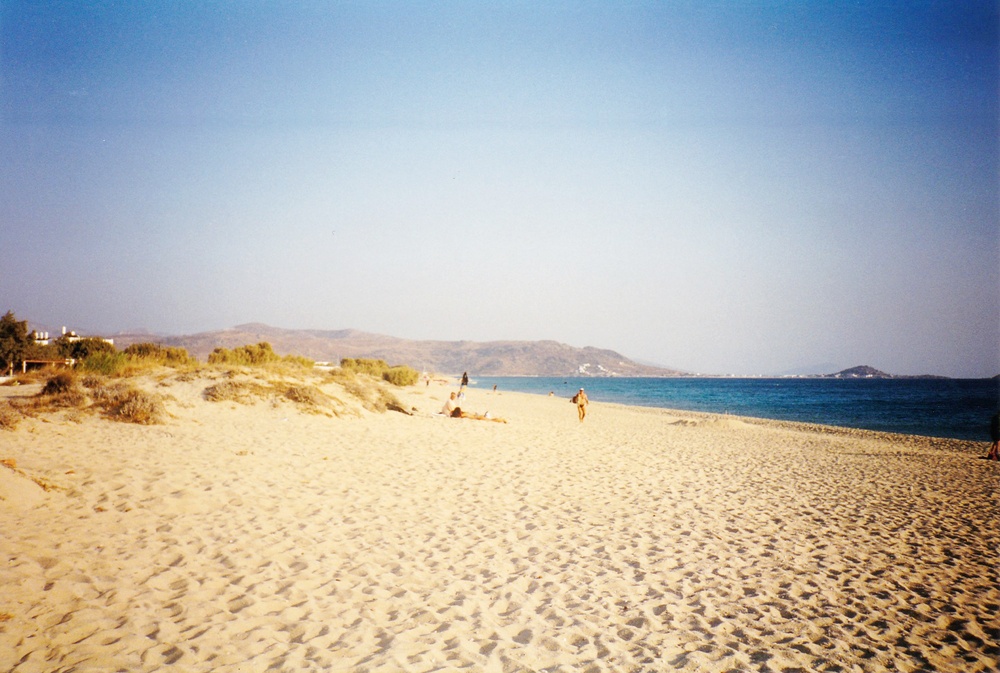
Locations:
(722, 187)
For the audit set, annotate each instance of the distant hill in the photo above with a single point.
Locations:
(860, 372)
(491, 358)
(866, 372)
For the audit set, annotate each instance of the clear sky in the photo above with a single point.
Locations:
(723, 187)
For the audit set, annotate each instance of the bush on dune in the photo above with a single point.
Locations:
(298, 361)
(60, 390)
(62, 382)
(123, 402)
(168, 356)
(138, 406)
(104, 392)
(119, 400)
(104, 362)
(243, 392)
(247, 356)
(256, 355)
(307, 395)
(97, 356)
(401, 376)
(398, 375)
(369, 366)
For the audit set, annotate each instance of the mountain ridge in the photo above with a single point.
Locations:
(545, 357)
(487, 358)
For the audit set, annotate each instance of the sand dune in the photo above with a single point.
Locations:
(248, 538)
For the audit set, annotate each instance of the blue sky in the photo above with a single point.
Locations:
(722, 187)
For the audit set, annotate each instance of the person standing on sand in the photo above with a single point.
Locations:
(581, 401)
(465, 381)
(994, 453)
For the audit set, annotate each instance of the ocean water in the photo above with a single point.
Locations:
(952, 408)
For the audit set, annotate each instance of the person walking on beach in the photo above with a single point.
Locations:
(465, 381)
(581, 401)
(994, 453)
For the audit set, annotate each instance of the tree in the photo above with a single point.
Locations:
(78, 349)
(15, 341)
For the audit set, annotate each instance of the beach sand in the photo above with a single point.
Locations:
(260, 537)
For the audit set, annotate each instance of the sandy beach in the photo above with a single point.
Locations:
(265, 536)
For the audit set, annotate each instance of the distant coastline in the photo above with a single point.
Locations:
(491, 358)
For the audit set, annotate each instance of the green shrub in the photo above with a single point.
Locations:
(108, 363)
(248, 356)
(401, 375)
(257, 355)
(169, 356)
(342, 375)
(298, 361)
(368, 366)
(83, 348)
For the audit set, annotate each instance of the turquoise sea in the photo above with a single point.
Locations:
(952, 408)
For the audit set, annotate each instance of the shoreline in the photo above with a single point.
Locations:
(250, 537)
(780, 410)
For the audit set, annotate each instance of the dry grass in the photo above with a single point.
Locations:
(105, 392)
(59, 384)
(308, 397)
(138, 406)
(243, 392)
(9, 416)
(116, 398)
(120, 400)
(61, 391)
(373, 396)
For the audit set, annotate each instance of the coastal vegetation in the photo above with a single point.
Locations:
(397, 375)
(15, 341)
(66, 391)
(9, 416)
(83, 376)
(255, 355)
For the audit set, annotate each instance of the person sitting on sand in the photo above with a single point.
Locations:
(452, 410)
(580, 399)
(994, 453)
(451, 407)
